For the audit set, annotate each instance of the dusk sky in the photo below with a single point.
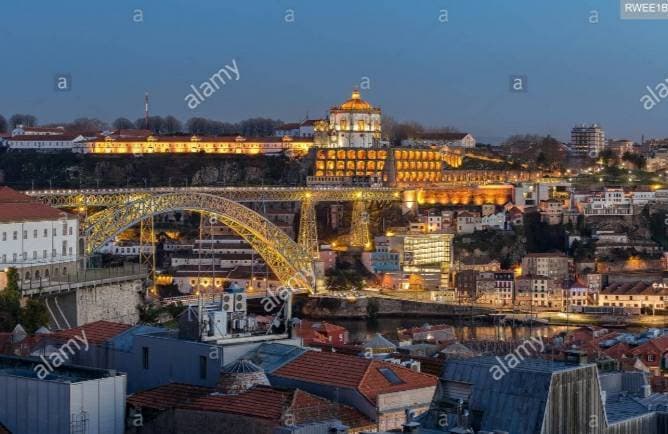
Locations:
(455, 73)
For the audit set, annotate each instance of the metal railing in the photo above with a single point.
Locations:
(82, 277)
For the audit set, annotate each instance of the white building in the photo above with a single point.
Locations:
(587, 140)
(353, 124)
(47, 143)
(304, 129)
(124, 249)
(610, 201)
(40, 241)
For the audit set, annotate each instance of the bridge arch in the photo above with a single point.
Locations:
(289, 261)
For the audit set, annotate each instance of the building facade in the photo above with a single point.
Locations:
(353, 124)
(587, 140)
(40, 241)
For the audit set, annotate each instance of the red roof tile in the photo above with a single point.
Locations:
(16, 206)
(96, 332)
(657, 346)
(353, 372)
(168, 396)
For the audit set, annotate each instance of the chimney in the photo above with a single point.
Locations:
(411, 427)
(646, 390)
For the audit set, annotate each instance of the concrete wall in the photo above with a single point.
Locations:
(115, 302)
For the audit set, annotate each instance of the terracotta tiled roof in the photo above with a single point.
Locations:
(43, 138)
(618, 351)
(205, 139)
(168, 396)
(633, 288)
(352, 372)
(656, 346)
(16, 206)
(271, 404)
(96, 332)
(292, 126)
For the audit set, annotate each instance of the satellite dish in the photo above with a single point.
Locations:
(213, 220)
(593, 154)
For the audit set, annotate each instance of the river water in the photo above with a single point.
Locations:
(361, 330)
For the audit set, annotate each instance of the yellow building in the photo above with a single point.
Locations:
(191, 145)
(392, 165)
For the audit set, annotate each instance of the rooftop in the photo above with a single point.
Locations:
(16, 207)
(96, 332)
(25, 367)
(369, 377)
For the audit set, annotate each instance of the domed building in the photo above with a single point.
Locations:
(237, 377)
(353, 124)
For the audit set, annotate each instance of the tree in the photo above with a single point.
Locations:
(172, 125)
(22, 119)
(155, 124)
(123, 124)
(10, 302)
(88, 124)
(34, 315)
(637, 160)
(608, 156)
(258, 127)
(3, 124)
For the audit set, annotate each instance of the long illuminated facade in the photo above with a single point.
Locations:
(196, 144)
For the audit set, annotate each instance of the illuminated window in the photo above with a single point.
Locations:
(360, 125)
(343, 124)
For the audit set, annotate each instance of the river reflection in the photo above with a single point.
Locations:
(361, 330)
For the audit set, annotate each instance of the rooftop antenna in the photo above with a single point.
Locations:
(146, 110)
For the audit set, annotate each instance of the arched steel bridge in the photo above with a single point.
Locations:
(107, 212)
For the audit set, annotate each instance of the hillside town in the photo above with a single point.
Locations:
(270, 251)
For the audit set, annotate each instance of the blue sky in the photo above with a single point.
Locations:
(455, 73)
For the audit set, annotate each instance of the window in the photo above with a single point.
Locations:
(64, 248)
(25, 235)
(4, 258)
(4, 236)
(64, 228)
(14, 257)
(651, 357)
(44, 253)
(46, 233)
(202, 367)
(15, 235)
(144, 354)
(34, 233)
(34, 254)
(390, 376)
(53, 253)
(53, 232)
(70, 231)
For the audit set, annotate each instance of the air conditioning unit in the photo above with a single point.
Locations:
(239, 302)
(217, 323)
(228, 303)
